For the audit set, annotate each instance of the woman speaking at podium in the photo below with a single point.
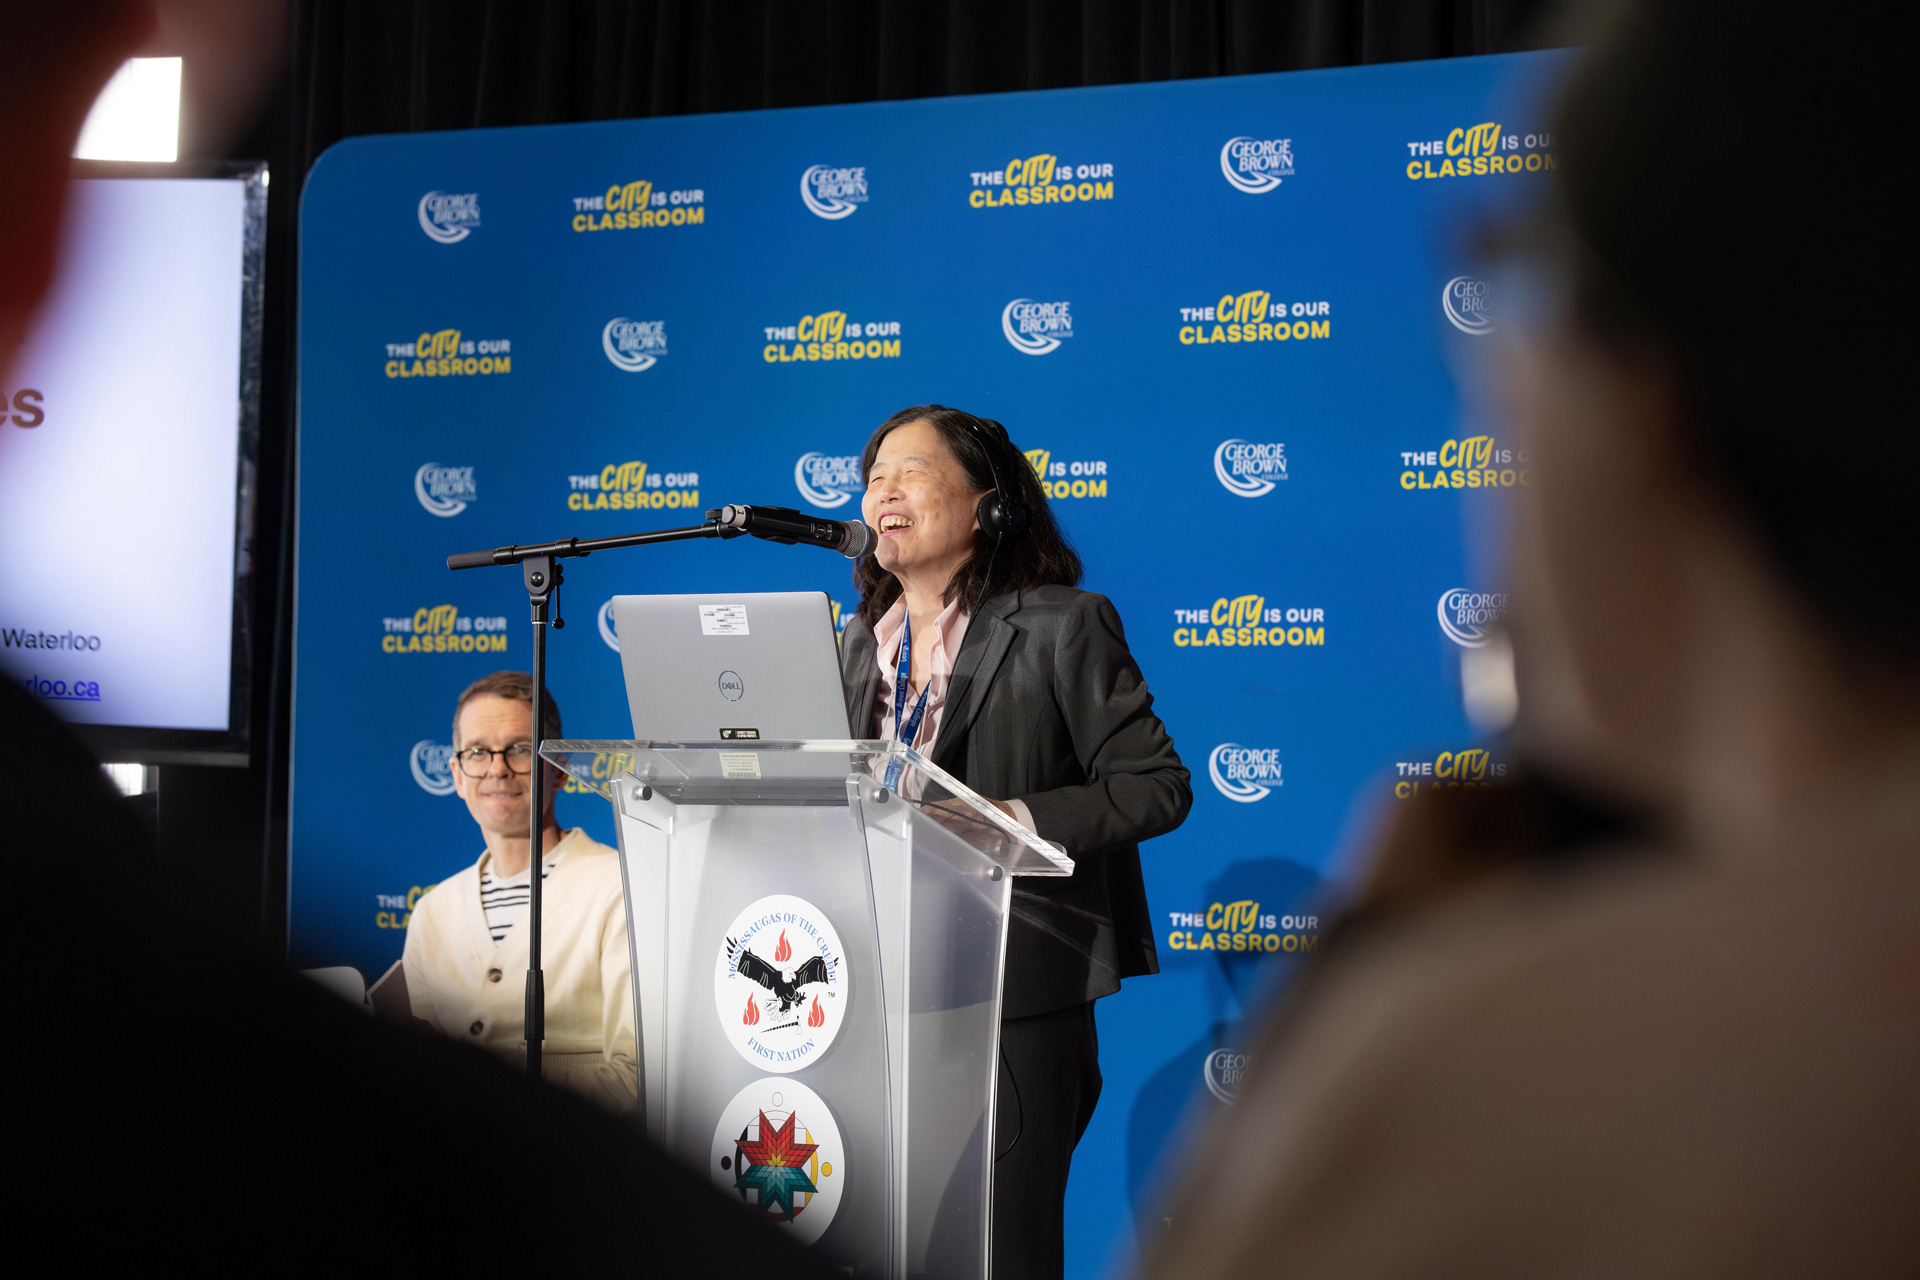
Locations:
(973, 646)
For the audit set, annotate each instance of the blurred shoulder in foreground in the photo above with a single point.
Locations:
(1601, 1059)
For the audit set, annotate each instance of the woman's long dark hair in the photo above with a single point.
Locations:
(1038, 555)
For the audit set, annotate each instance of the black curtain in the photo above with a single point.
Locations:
(391, 66)
(376, 66)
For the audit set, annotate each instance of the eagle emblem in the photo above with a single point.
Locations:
(785, 990)
(780, 983)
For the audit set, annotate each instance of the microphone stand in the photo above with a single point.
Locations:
(540, 570)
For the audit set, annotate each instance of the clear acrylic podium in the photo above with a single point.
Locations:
(817, 964)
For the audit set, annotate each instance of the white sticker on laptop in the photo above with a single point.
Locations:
(723, 620)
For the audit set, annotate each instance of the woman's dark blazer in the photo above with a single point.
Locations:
(1047, 705)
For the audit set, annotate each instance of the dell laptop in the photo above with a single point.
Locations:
(731, 666)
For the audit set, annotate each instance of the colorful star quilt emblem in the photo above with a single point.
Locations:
(775, 1166)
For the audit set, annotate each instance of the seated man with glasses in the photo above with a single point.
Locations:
(466, 953)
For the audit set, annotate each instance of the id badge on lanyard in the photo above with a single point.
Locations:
(905, 731)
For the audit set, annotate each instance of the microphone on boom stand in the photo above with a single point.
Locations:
(851, 538)
(541, 571)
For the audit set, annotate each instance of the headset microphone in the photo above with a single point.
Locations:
(851, 538)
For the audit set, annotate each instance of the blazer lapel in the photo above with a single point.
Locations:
(989, 636)
(863, 691)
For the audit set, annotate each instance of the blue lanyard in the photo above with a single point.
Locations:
(905, 732)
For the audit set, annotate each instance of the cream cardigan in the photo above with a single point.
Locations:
(461, 982)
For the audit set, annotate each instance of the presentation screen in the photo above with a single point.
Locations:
(128, 421)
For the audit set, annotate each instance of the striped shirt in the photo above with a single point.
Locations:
(505, 899)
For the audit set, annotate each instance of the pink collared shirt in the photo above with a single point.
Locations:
(949, 633)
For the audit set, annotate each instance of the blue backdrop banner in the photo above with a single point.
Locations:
(1219, 317)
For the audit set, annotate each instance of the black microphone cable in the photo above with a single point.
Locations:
(1019, 1108)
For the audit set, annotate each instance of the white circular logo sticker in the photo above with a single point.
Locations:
(449, 219)
(1241, 773)
(1036, 327)
(780, 983)
(1467, 306)
(828, 481)
(832, 193)
(634, 345)
(1249, 470)
(444, 491)
(1224, 1071)
(608, 631)
(778, 1148)
(1467, 616)
(432, 765)
(1256, 165)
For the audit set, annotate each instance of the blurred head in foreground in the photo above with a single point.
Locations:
(1693, 1053)
(1715, 553)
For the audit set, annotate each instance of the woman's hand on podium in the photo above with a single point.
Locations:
(962, 818)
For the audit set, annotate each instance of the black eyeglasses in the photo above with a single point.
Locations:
(477, 762)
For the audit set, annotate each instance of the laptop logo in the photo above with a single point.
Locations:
(739, 735)
(732, 687)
